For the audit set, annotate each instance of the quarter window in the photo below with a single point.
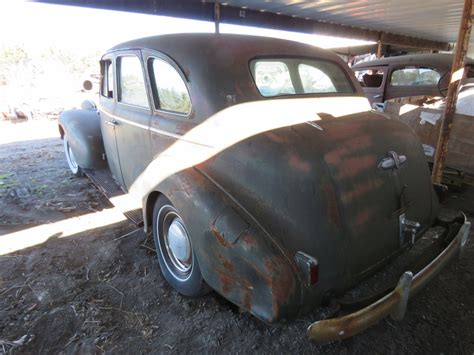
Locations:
(107, 87)
(132, 84)
(411, 76)
(170, 89)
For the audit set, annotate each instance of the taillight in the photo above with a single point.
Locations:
(309, 267)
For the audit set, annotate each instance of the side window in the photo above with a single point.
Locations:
(411, 76)
(371, 78)
(315, 80)
(107, 87)
(169, 88)
(132, 83)
(273, 78)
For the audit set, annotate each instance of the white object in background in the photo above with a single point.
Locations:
(429, 150)
(429, 117)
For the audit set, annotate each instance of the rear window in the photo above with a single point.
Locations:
(295, 76)
(371, 78)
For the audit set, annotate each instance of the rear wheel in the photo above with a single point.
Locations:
(71, 160)
(175, 252)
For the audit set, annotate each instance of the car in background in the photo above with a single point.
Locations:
(263, 174)
(409, 75)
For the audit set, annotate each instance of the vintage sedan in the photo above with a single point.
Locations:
(263, 173)
(409, 75)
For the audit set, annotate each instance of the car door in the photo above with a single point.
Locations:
(373, 80)
(107, 101)
(173, 115)
(132, 113)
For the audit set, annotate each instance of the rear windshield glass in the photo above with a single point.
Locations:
(298, 76)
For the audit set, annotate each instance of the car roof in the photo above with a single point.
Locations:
(439, 60)
(184, 47)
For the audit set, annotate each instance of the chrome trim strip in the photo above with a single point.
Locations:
(159, 131)
(315, 125)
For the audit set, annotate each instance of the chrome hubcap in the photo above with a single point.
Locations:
(71, 157)
(178, 246)
(175, 244)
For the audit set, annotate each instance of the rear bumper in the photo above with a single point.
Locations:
(395, 302)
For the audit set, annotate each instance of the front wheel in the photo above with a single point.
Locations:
(175, 252)
(71, 161)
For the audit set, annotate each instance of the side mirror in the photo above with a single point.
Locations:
(87, 85)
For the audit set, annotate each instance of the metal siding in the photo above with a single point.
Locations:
(435, 19)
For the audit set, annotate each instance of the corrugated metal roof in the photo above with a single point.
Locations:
(430, 19)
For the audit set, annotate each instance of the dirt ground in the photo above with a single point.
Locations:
(94, 290)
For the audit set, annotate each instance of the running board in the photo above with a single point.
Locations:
(105, 183)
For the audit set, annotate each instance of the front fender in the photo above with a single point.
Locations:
(238, 259)
(82, 128)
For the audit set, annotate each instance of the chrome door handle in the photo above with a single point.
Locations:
(111, 123)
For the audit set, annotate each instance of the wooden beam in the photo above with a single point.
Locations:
(457, 73)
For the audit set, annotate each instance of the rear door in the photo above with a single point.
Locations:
(108, 98)
(132, 114)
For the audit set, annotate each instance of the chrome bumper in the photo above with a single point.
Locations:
(394, 303)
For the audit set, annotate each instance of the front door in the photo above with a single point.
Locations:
(107, 102)
(132, 114)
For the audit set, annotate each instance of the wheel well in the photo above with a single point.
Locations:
(150, 203)
(61, 131)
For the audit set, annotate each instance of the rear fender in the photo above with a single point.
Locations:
(82, 128)
(238, 259)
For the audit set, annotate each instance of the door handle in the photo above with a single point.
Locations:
(111, 123)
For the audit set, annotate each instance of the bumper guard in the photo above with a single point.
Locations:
(395, 302)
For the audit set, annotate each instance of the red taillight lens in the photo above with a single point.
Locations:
(309, 267)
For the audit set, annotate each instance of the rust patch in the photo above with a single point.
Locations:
(248, 241)
(360, 142)
(359, 190)
(226, 263)
(332, 209)
(276, 138)
(335, 156)
(297, 163)
(354, 166)
(282, 282)
(362, 217)
(218, 235)
(227, 283)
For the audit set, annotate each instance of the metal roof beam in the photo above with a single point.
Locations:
(200, 10)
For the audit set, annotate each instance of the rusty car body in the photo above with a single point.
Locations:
(409, 75)
(263, 173)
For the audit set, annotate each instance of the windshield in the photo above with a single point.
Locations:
(298, 76)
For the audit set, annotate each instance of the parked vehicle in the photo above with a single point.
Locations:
(409, 75)
(264, 174)
(412, 87)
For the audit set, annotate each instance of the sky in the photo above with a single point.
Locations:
(36, 26)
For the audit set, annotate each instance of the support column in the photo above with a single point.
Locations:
(457, 73)
(217, 14)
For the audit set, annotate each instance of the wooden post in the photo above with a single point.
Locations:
(457, 69)
(217, 14)
(379, 49)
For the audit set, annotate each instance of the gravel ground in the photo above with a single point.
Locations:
(92, 289)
